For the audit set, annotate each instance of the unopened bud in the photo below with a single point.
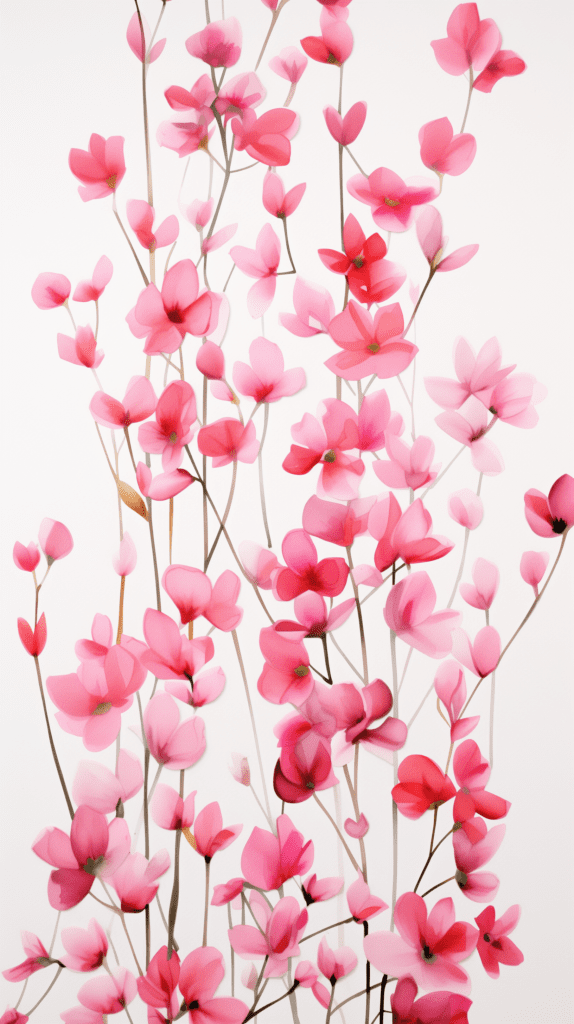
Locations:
(240, 769)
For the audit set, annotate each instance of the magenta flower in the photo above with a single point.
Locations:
(314, 310)
(409, 467)
(304, 571)
(170, 811)
(90, 291)
(470, 430)
(276, 201)
(391, 199)
(433, 243)
(239, 94)
(80, 350)
(533, 565)
(171, 744)
(312, 617)
(266, 138)
(335, 963)
(87, 947)
(357, 710)
(406, 535)
(486, 579)
(338, 524)
(26, 558)
(481, 656)
(141, 217)
(93, 848)
(51, 290)
(470, 42)
(317, 890)
(102, 790)
(265, 379)
(444, 152)
(477, 375)
(422, 785)
(326, 442)
(210, 836)
(201, 973)
(370, 345)
(227, 440)
(429, 949)
(552, 515)
(362, 904)
(371, 278)
(502, 64)
(100, 168)
(305, 762)
(138, 403)
(164, 318)
(466, 508)
(278, 939)
(218, 44)
(134, 38)
(450, 688)
(290, 64)
(37, 957)
(158, 987)
(435, 1008)
(135, 881)
(333, 46)
(346, 129)
(109, 994)
(174, 414)
(472, 775)
(34, 640)
(55, 540)
(286, 676)
(262, 263)
(494, 946)
(269, 860)
(473, 846)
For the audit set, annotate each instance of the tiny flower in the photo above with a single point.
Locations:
(51, 290)
(494, 946)
(34, 641)
(290, 64)
(218, 44)
(26, 558)
(90, 291)
(100, 168)
(533, 565)
(55, 540)
(80, 350)
(466, 508)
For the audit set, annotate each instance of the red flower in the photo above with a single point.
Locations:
(422, 786)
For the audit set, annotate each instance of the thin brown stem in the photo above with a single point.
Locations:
(260, 465)
(470, 85)
(206, 904)
(49, 989)
(339, 833)
(438, 885)
(173, 904)
(225, 514)
(128, 240)
(51, 739)
(121, 610)
(253, 725)
(360, 619)
(327, 928)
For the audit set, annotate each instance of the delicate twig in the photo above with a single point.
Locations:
(49, 989)
(253, 725)
(470, 85)
(51, 739)
(339, 833)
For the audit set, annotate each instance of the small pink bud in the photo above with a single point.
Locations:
(198, 212)
(240, 769)
(50, 290)
(210, 361)
(533, 565)
(125, 559)
(26, 558)
(55, 540)
(466, 508)
(356, 829)
(249, 977)
(33, 641)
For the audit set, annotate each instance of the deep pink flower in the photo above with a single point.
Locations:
(406, 535)
(435, 1008)
(391, 199)
(480, 656)
(333, 46)
(37, 957)
(276, 201)
(278, 939)
(317, 890)
(11, 1016)
(362, 904)
(262, 263)
(239, 94)
(466, 508)
(136, 880)
(314, 310)
(100, 168)
(90, 291)
(428, 949)
(26, 558)
(357, 709)
(486, 578)
(109, 994)
(473, 846)
(218, 44)
(472, 775)
(470, 42)
(269, 860)
(433, 243)
(210, 835)
(286, 675)
(164, 318)
(175, 413)
(86, 947)
(201, 973)
(443, 151)
(51, 290)
(335, 963)
(346, 129)
(304, 766)
(494, 946)
(141, 217)
(266, 138)
(171, 744)
(55, 540)
(34, 640)
(470, 429)
(371, 278)
(139, 47)
(370, 345)
(170, 811)
(265, 379)
(80, 350)
(158, 987)
(138, 403)
(476, 374)
(290, 64)
(102, 790)
(533, 565)
(227, 440)
(422, 785)
(326, 442)
(409, 466)
(93, 848)
(502, 64)
(552, 515)
(450, 688)
(338, 524)
(304, 571)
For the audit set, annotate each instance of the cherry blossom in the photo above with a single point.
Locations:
(470, 42)
(100, 168)
(317, 890)
(188, 134)
(371, 277)
(170, 811)
(269, 860)
(443, 151)
(409, 467)
(391, 199)
(278, 939)
(476, 374)
(486, 579)
(470, 429)
(408, 612)
(304, 766)
(313, 620)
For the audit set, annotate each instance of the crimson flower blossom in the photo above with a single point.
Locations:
(276, 201)
(278, 939)
(326, 442)
(209, 834)
(482, 655)
(494, 946)
(409, 467)
(502, 64)
(51, 290)
(406, 535)
(314, 310)
(362, 904)
(238, 95)
(433, 243)
(286, 675)
(370, 345)
(357, 710)
(304, 765)
(218, 44)
(262, 263)
(550, 516)
(87, 947)
(34, 640)
(266, 138)
(100, 168)
(346, 129)
(473, 846)
(171, 744)
(472, 775)
(476, 374)
(313, 621)
(164, 318)
(444, 152)
(304, 571)
(92, 848)
(391, 199)
(90, 291)
(102, 790)
(333, 46)
(481, 593)
(290, 64)
(428, 949)
(470, 429)
(450, 688)
(434, 1008)
(533, 565)
(371, 278)
(141, 217)
(338, 524)
(138, 46)
(26, 558)
(335, 963)
(191, 591)
(136, 880)
(408, 612)
(138, 403)
(265, 379)
(269, 860)
(175, 413)
(422, 786)
(80, 350)
(228, 440)
(470, 42)
(37, 957)
(55, 540)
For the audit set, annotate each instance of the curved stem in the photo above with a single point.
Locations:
(121, 610)
(173, 904)
(339, 833)
(51, 739)
(145, 114)
(128, 240)
(274, 18)
(49, 989)
(460, 568)
(153, 553)
(326, 929)
(206, 904)
(431, 851)
(260, 465)
(225, 514)
(420, 299)
(438, 885)
(253, 725)
(355, 802)
(470, 85)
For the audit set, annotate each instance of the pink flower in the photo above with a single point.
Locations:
(313, 621)
(199, 213)
(239, 94)
(164, 485)
(428, 949)
(100, 168)
(80, 350)
(135, 881)
(265, 379)
(371, 278)
(26, 558)
(466, 508)
(474, 845)
(210, 361)
(164, 318)
(443, 151)
(304, 571)
(170, 811)
(406, 535)
(326, 442)
(408, 613)
(259, 563)
(218, 238)
(533, 565)
(55, 540)
(199, 98)
(333, 46)
(370, 346)
(362, 904)
(450, 688)
(141, 217)
(171, 744)
(391, 199)
(175, 413)
(422, 785)
(99, 788)
(314, 310)
(472, 775)
(513, 399)
(286, 675)
(191, 591)
(109, 994)
(317, 890)
(93, 848)
(34, 640)
(356, 829)
(86, 947)
(139, 48)
(477, 375)
(502, 64)
(338, 524)
(90, 291)
(470, 430)
(409, 467)
(356, 711)
(268, 860)
(289, 64)
(346, 129)
(262, 263)
(486, 581)
(335, 963)
(158, 987)
(51, 290)
(304, 766)
(102, 642)
(470, 43)
(201, 973)
(482, 656)
(281, 929)
(229, 892)
(124, 562)
(188, 134)
(210, 835)
(435, 1008)
(433, 243)
(552, 515)
(37, 957)
(138, 403)
(494, 946)
(266, 138)
(227, 440)
(275, 201)
(218, 44)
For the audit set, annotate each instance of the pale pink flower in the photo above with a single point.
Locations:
(55, 540)
(433, 243)
(470, 429)
(335, 963)
(138, 403)
(90, 291)
(480, 656)
(80, 350)
(269, 860)
(136, 880)
(37, 957)
(218, 238)
(262, 263)
(210, 361)
(139, 47)
(199, 212)
(314, 310)
(240, 769)
(125, 560)
(218, 44)
(450, 688)
(362, 904)
(470, 42)
(163, 485)
(141, 217)
(408, 612)
(86, 947)
(317, 890)
(443, 151)
(278, 939)
(239, 94)
(391, 199)
(289, 64)
(410, 467)
(198, 98)
(276, 201)
(533, 565)
(346, 129)
(356, 829)
(100, 168)
(486, 579)
(102, 790)
(338, 524)
(170, 811)
(109, 994)
(188, 134)
(172, 744)
(51, 290)
(466, 508)
(370, 345)
(476, 374)
(514, 398)
(259, 563)
(265, 379)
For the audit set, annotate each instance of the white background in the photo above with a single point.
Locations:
(68, 72)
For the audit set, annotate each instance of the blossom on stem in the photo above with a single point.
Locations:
(450, 688)
(553, 515)
(87, 947)
(265, 379)
(513, 400)
(51, 290)
(100, 168)
(502, 64)
(164, 318)
(313, 620)
(26, 558)
(473, 846)
(336, 523)
(370, 345)
(326, 442)
(289, 64)
(188, 134)
(408, 612)
(209, 834)
(266, 138)
(486, 579)
(136, 880)
(259, 563)
(472, 775)
(405, 535)
(218, 44)
(175, 414)
(314, 310)
(201, 973)
(141, 217)
(90, 291)
(444, 152)
(333, 46)
(138, 403)
(164, 485)
(346, 129)
(480, 656)
(433, 243)
(434, 1008)
(109, 994)
(262, 263)
(357, 708)
(55, 540)
(371, 278)
(422, 785)
(170, 811)
(494, 946)
(210, 361)
(362, 904)
(238, 95)
(466, 508)
(317, 890)
(304, 571)
(286, 676)
(134, 38)
(37, 957)
(470, 42)
(276, 201)
(158, 986)
(409, 467)
(227, 440)
(80, 350)
(125, 560)
(391, 199)
(34, 640)
(269, 860)
(335, 963)
(171, 744)
(102, 790)
(533, 565)
(470, 429)
(477, 375)
(277, 937)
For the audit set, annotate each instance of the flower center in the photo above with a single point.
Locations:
(102, 709)
(374, 347)
(111, 181)
(461, 879)
(173, 437)
(194, 1005)
(558, 525)
(486, 937)
(391, 202)
(302, 671)
(175, 315)
(427, 956)
(331, 59)
(330, 456)
(358, 261)
(43, 961)
(91, 865)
